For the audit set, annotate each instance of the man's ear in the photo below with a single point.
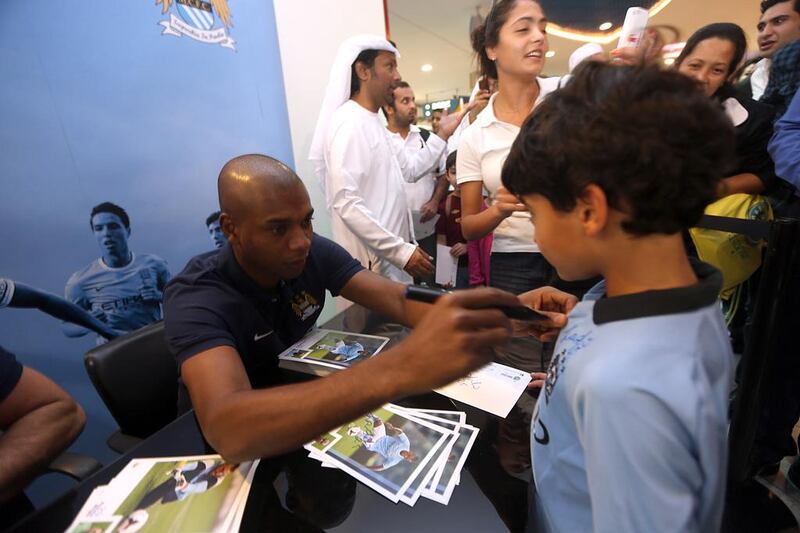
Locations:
(228, 226)
(592, 209)
(362, 71)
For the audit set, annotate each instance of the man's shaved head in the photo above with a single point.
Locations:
(266, 217)
(245, 181)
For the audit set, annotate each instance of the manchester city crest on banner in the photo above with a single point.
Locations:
(207, 22)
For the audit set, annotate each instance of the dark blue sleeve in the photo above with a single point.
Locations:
(337, 265)
(192, 323)
(10, 373)
(785, 144)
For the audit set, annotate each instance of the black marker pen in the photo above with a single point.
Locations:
(429, 295)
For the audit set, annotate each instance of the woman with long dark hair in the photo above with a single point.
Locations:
(511, 47)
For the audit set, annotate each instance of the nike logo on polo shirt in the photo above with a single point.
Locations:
(545, 439)
(259, 337)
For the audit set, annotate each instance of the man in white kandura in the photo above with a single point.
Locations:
(360, 170)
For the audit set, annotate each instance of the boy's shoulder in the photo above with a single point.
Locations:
(646, 340)
(663, 302)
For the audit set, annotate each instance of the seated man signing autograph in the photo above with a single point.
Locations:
(233, 310)
(229, 314)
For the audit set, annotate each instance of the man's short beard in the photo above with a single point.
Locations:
(402, 120)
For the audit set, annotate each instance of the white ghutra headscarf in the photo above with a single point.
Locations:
(338, 92)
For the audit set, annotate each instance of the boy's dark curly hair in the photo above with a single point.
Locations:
(653, 142)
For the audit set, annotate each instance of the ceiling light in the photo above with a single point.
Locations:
(605, 26)
(550, 53)
(427, 67)
(596, 37)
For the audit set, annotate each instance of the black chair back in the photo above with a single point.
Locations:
(136, 375)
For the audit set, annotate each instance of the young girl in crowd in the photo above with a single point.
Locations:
(472, 265)
(511, 47)
(448, 226)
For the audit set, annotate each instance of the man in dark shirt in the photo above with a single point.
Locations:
(232, 311)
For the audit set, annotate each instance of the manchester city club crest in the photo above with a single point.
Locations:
(207, 22)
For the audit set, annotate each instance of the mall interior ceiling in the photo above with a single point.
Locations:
(435, 35)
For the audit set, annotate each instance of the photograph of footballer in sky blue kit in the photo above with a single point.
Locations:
(342, 349)
(387, 450)
(120, 288)
(183, 495)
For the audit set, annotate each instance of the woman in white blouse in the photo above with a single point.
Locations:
(511, 47)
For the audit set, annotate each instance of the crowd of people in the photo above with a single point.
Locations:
(573, 195)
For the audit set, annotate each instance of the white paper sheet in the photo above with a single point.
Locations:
(446, 266)
(495, 388)
(423, 229)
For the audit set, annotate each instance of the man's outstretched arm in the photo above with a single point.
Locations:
(55, 306)
(454, 338)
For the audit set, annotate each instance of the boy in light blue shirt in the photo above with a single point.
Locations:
(630, 429)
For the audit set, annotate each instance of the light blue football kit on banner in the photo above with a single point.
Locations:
(118, 291)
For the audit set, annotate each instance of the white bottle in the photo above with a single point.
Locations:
(633, 28)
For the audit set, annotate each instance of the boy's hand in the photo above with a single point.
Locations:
(506, 203)
(537, 380)
(552, 302)
(455, 337)
(458, 249)
(549, 299)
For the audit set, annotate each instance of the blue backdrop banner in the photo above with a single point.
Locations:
(116, 119)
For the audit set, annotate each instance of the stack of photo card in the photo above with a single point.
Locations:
(401, 453)
(324, 351)
(189, 494)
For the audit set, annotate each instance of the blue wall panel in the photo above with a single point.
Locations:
(97, 105)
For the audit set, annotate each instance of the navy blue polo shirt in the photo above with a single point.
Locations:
(213, 302)
(10, 373)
